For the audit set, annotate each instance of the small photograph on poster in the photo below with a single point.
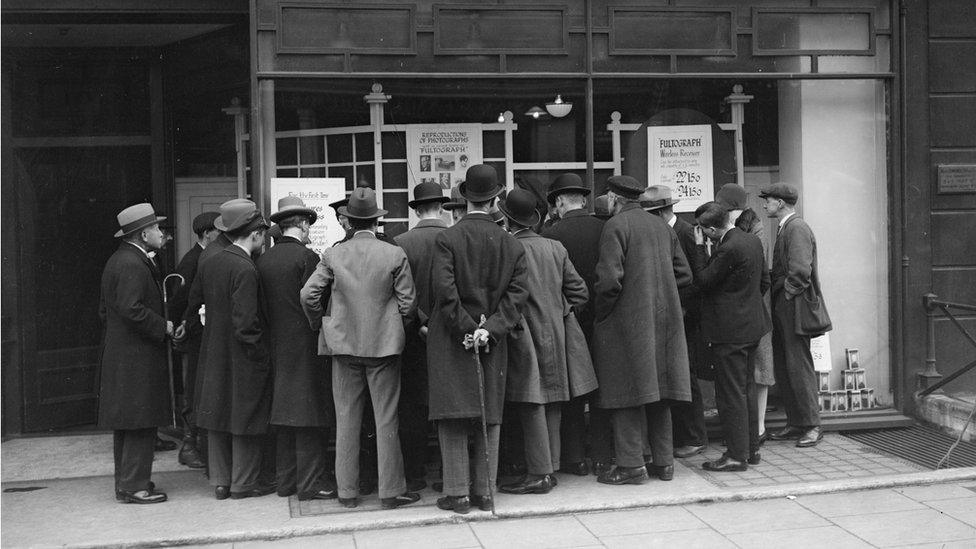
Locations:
(425, 162)
(463, 161)
(444, 163)
(446, 181)
(428, 180)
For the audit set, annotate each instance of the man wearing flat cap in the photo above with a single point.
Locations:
(191, 454)
(370, 292)
(235, 393)
(640, 353)
(418, 244)
(134, 387)
(479, 284)
(794, 270)
(301, 406)
(579, 232)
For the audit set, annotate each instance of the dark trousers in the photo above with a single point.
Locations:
(793, 367)
(601, 433)
(735, 395)
(300, 463)
(234, 460)
(572, 430)
(540, 429)
(643, 428)
(414, 426)
(191, 359)
(456, 462)
(133, 450)
(688, 418)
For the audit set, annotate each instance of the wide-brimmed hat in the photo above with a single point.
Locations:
(520, 207)
(626, 186)
(732, 196)
(362, 205)
(784, 191)
(657, 197)
(567, 182)
(293, 205)
(338, 204)
(204, 222)
(136, 217)
(480, 184)
(236, 214)
(427, 192)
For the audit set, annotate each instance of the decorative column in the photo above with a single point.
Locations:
(377, 100)
(240, 124)
(737, 101)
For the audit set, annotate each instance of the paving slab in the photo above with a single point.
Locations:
(640, 521)
(962, 509)
(934, 492)
(688, 539)
(906, 528)
(443, 536)
(858, 503)
(756, 516)
(533, 533)
(827, 537)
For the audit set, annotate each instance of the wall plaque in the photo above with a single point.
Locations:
(957, 178)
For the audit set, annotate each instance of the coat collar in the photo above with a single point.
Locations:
(477, 216)
(237, 250)
(288, 240)
(527, 233)
(630, 206)
(433, 222)
(578, 212)
(364, 234)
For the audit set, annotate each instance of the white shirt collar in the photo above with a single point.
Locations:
(364, 231)
(243, 248)
(141, 249)
(783, 221)
(479, 212)
(672, 221)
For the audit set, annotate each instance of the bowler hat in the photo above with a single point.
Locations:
(293, 205)
(520, 207)
(427, 192)
(362, 205)
(565, 183)
(784, 191)
(732, 196)
(480, 184)
(204, 222)
(657, 197)
(626, 186)
(236, 214)
(601, 206)
(136, 217)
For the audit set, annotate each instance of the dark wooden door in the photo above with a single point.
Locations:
(67, 200)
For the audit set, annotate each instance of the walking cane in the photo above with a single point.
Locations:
(484, 418)
(169, 347)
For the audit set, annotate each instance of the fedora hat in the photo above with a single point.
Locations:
(520, 207)
(427, 192)
(362, 205)
(657, 197)
(292, 205)
(480, 184)
(626, 186)
(784, 191)
(567, 182)
(732, 196)
(136, 217)
(236, 214)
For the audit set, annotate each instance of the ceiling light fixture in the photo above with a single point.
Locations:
(559, 108)
(535, 112)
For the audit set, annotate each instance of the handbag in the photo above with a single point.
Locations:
(811, 317)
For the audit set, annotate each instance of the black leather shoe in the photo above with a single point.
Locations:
(481, 502)
(416, 484)
(163, 445)
(810, 438)
(724, 464)
(253, 493)
(367, 487)
(222, 492)
(663, 472)
(320, 494)
(601, 468)
(190, 456)
(763, 437)
(553, 480)
(458, 504)
(788, 433)
(119, 494)
(437, 486)
(754, 459)
(578, 468)
(405, 498)
(142, 496)
(349, 503)
(286, 492)
(688, 451)
(529, 486)
(624, 475)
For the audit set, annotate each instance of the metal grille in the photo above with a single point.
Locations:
(919, 444)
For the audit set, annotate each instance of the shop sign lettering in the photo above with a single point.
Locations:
(680, 157)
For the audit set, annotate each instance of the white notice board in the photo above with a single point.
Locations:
(680, 157)
(317, 193)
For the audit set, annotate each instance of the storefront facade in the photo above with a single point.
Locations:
(825, 95)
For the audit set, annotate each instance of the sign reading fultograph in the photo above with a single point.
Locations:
(317, 193)
(441, 153)
(680, 157)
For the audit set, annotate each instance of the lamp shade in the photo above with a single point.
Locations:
(559, 108)
(535, 112)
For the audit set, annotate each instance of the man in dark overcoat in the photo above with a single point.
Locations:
(235, 394)
(301, 406)
(687, 418)
(134, 387)
(733, 318)
(640, 353)
(203, 227)
(418, 244)
(579, 232)
(479, 271)
(794, 269)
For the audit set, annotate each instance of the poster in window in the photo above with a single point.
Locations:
(680, 157)
(317, 193)
(441, 153)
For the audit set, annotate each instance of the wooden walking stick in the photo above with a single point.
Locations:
(169, 346)
(484, 417)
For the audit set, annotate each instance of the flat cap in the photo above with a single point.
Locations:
(784, 191)
(626, 186)
(204, 222)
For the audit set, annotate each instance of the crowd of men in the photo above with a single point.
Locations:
(497, 319)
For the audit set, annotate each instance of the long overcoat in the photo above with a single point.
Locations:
(301, 385)
(479, 269)
(559, 368)
(134, 390)
(639, 351)
(235, 394)
(191, 316)
(579, 232)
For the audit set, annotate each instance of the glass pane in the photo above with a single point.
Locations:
(643, 29)
(788, 31)
(344, 172)
(366, 176)
(394, 145)
(287, 172)
(313, 172)
(364, 147)
(396, 204)
(311, 149)
(493, 144)
(395, 176)
(286, 151)
(339, 148)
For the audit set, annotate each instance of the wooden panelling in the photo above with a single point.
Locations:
(952, 19)
(643, 31)
(958, 285)
(513, 29)
(952, 238)
(951, 201)
(834, 30)
(952, 66)
(331, 28)
(951, 121)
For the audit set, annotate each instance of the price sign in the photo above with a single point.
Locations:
(680, 157)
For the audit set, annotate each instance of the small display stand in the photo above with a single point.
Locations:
(854, 394)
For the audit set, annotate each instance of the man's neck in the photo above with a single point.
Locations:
(723, 232)
(784, 213)
(139, 245)
(429, 216)
(667, 216)
(242, 245)
(293, 232)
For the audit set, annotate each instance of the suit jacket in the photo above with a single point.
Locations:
(134, 385)
(579, 232)
(195, 296)
(418, 243)
(187, 268)
(732, 283)
(478, 269)
(639, 347)
(301, 388)
(794, 257)
(235, 370)
(689, 295)
(370, 289)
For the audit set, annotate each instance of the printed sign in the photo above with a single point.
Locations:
(680, 157)
(820, 349)
(317, 193)
(441, 153)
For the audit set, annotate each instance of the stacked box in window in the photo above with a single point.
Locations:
(854, 379)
